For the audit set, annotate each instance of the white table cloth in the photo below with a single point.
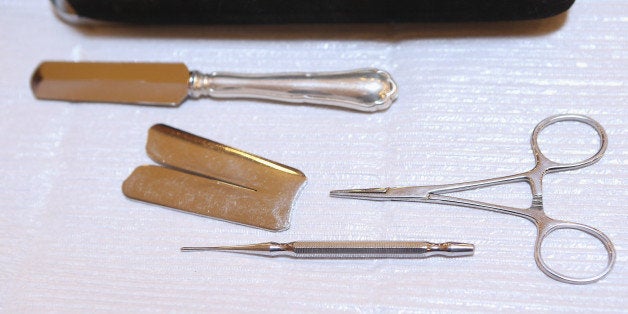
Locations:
(470, 95)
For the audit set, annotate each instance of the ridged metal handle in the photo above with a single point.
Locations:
(347, 249)
(362, 90)
(378, 249)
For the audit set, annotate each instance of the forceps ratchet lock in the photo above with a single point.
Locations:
(545, 225)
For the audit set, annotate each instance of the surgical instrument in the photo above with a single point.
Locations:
(535, 213)
(348, 249)
(169, 84)
(207, 178)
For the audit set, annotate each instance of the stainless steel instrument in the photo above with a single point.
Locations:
(535, 213)
(348, 249)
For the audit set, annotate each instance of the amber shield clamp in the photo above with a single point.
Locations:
(169, 84)
(207, 178)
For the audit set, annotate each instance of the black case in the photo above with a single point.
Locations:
(305, 11)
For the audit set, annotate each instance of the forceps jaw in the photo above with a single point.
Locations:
(410, 194)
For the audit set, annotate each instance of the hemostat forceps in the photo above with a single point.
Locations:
(544, 224)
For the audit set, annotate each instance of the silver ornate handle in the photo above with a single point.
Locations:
(362, 90)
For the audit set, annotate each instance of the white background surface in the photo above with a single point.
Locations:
(470, 95)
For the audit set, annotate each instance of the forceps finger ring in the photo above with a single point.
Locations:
(548, 226)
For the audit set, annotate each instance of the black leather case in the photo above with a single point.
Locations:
(305, 11)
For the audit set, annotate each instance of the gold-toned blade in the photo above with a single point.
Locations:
(160, 84)
(215, 180)
(182, 150)
(203, 196)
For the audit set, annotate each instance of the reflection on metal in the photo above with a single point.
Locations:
(347, 249)
(169, 84)
(534, 177)
(207, 178)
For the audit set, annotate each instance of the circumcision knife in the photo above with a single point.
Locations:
(169, 84)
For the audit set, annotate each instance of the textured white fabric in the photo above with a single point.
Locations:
(470, 95)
